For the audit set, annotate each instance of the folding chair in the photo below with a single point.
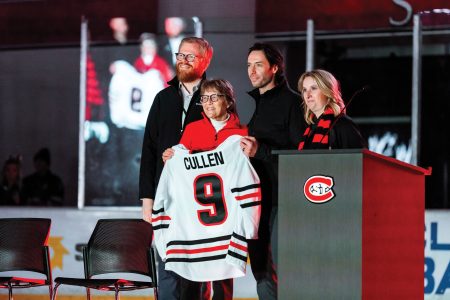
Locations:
(116, 246)
(23, 247)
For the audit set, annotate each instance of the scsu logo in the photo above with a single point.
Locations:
(319, 189)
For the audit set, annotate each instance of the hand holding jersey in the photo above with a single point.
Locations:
(249, 145)
(167, 154)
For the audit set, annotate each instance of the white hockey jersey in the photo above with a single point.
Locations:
(206, 206)
(131, 95)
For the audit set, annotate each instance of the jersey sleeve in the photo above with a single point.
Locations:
(160, 216)
(247, 193)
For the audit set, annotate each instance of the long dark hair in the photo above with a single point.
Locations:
(274, 58)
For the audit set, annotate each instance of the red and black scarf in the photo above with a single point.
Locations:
(316, 136)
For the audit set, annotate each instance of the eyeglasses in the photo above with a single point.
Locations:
(182, 56)
(214, 98)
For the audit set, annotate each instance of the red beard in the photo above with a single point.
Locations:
(187, 75)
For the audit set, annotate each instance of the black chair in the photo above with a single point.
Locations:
(116, 246)
(23, 247)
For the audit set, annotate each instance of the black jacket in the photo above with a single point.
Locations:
(277, 123)
(343, 135)
(163, 130)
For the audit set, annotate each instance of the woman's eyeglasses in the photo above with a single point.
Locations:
(213, 98)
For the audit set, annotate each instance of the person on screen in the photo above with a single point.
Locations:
(329, 127)
(173, 108)
(174, 28)
(119, 27)
(10, 192)
(150, 60)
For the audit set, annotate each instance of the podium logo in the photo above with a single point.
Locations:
(319, 189)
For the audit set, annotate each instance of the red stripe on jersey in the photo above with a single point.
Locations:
(160, 218)
(240, 247)
(195, 251)
(243, 197)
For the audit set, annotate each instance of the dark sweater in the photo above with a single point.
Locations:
(277, 123)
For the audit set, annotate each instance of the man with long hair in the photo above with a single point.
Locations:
(277, 123)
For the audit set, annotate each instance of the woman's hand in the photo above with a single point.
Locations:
(167, 154)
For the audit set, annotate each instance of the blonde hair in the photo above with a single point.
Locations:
(329, 86)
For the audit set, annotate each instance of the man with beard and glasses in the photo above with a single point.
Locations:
(173, 108)
(277, 123)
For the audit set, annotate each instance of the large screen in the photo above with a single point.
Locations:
(122, 80)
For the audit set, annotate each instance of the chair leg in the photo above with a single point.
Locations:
(55, 291)
(155, 293)
(88, 293)
(116, 288)
(50, 291)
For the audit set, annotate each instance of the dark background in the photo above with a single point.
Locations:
(40, 69)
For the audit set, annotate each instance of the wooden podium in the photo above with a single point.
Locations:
(350, 226)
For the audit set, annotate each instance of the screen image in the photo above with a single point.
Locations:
(122, 80)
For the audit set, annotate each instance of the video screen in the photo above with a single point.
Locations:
(122, 81)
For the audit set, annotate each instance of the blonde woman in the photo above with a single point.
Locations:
(328, 125)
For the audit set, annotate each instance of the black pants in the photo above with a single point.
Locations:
(222, 290)
(174, 287)
(263, 254)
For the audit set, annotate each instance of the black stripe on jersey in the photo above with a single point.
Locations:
(239, 237)
(254, 203)
(202, 241)
(157, 227)
(244, 188)
(155, 212)
(238, 256)
(197, 259)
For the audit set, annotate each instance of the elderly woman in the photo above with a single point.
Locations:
(220, 121)
(329, 126)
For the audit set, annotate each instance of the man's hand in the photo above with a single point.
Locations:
(249, 145)
(147, 206)
(167, 154)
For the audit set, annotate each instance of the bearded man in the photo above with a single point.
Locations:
(173, 108)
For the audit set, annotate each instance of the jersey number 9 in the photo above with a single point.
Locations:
(208, 190)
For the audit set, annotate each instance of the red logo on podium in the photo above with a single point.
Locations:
(319, 189)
